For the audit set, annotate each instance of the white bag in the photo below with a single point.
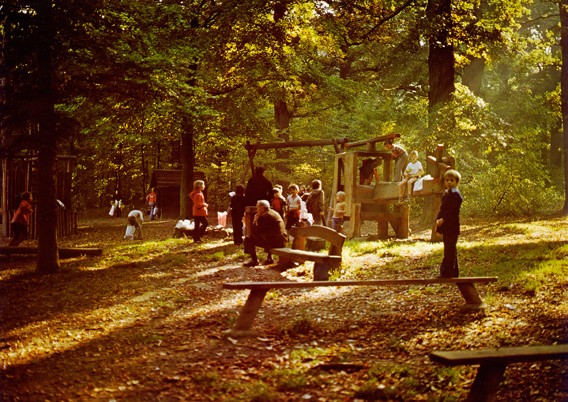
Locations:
(222, 219)
(129, 232)
(111, 213)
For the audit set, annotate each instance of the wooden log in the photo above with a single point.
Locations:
(63, 252)
(371, 141)
(296, 144)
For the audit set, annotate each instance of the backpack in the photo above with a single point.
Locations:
(312, 202)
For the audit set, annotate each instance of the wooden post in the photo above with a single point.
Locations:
(436, 203)
(250, 212)
(486, 382)
(249, 312)
(383, 225)
(403, 222)
(472, 299)
(355, 221)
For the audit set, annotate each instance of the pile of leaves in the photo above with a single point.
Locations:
(146, 321)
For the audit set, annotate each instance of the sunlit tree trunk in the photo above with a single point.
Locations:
(564, 92)
(48, 256)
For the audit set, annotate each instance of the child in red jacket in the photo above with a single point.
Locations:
(199, 210)
(20, 221)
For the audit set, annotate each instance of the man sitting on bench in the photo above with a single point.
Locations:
(267, 232)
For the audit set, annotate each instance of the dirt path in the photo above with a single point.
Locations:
(148, 326)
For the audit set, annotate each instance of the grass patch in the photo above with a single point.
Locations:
(286, 379)
(218, 256)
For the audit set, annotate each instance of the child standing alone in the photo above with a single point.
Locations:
(199, 210)
(339, 211)
(448, 224)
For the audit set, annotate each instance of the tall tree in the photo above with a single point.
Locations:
(48, 256)
(563, 5)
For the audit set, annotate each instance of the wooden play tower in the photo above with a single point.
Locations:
(375, 202)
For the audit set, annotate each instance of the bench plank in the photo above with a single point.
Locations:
(493, 363)
(501, 355)
(301, 255)
(383, 282)
(258, 291)
(322, 232)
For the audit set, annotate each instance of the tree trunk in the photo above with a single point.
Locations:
(556, 140)
(441, 75)
(473, 74)
(48, 256)
(282, 120)
(441, 69)
(187, 163)
(564, 92)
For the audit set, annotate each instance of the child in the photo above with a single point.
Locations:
(315, 203)
(238, 204)
(20, 221)
(367, 171)
(278, 202)
(294, 206)
(448, 223)
(199, 210)
(399, 153)
(339, 211)
(135, 218)
(411, 174)
(151, 199)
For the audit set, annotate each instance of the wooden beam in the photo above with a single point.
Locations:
(296, 144)
(372, 140)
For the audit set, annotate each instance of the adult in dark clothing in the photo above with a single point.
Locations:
(448, 224)
(238, 203)
(258, 187)
(267, 232)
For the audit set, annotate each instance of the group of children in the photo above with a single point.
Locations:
(290, 208)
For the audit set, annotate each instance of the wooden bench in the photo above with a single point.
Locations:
(493, 363)
(258, 291)
(323, 264)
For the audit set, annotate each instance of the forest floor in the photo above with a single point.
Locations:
(146, 321)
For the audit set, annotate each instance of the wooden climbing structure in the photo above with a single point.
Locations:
(371, 202)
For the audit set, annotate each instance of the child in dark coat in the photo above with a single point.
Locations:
(238, 203)
(448, 223)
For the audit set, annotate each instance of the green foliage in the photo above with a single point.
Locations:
(133, 78)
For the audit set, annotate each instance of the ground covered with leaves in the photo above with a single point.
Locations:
(146, 321)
